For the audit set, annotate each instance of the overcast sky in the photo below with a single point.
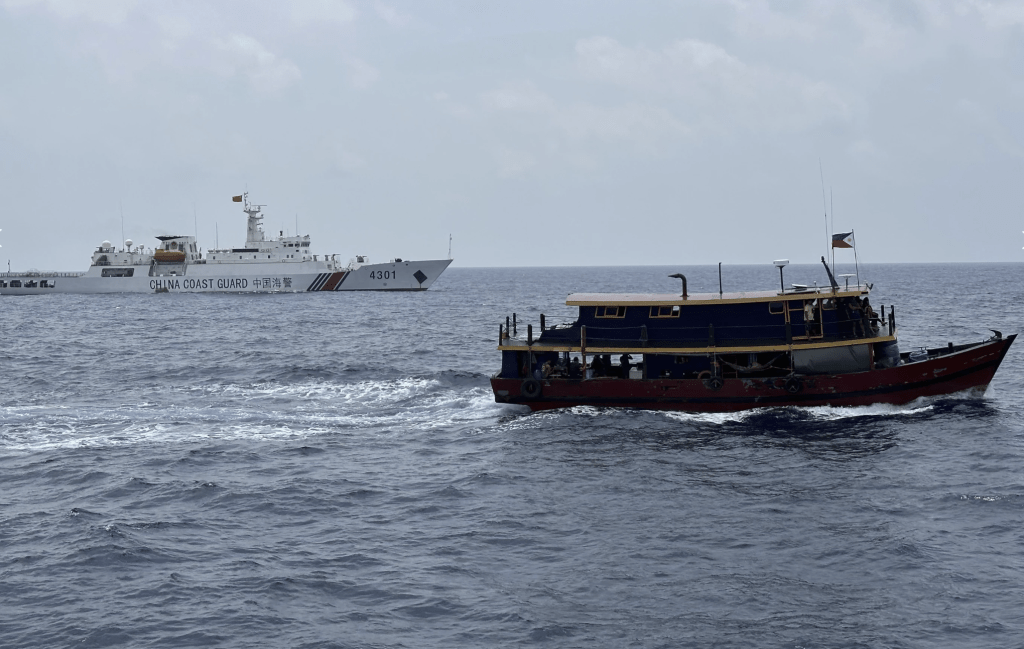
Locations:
(554, 132)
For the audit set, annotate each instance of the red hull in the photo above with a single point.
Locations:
(968, 369)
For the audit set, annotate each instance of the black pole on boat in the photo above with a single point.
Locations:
(542, 323)
(719, 280)
(529, 334)
(682, 277)
(831, 279)
(508, 329)
(583, 348)
(514, 330)
(781, 263)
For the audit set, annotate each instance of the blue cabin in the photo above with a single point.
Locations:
(817, 330)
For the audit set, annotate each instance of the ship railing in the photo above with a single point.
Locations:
(825, 290)
(715, 335)
(42, 273)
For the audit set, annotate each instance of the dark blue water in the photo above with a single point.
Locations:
(329, 470)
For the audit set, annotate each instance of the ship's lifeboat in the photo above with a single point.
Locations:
(169, 255)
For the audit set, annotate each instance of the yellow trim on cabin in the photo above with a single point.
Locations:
(806, 295)
(538, 347)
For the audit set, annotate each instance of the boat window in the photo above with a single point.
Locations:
(15, 283)
(671, 311)
(117, 272)
(776, 307)
(611, 312)
(828, 304)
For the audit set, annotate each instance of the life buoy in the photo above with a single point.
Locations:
(530, 389)
(794, 385)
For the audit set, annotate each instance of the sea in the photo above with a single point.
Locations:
(331, 470)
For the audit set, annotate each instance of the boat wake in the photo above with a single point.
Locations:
(256, 411)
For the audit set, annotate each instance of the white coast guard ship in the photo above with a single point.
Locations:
(284, 264)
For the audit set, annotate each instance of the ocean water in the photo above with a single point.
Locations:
(330, 470)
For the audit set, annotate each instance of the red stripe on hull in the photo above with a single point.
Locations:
(968, 369)
(332, 283)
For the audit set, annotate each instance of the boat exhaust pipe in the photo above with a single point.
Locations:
(830, 277)
(682, 277)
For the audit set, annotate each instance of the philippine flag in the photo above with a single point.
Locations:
(842, 240)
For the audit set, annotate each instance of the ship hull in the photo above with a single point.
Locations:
(970, 369)
(278, 277)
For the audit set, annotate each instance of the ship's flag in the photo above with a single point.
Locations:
(842, 240)
(237, 199)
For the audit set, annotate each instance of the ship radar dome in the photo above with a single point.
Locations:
(105, 244)
(128, 243)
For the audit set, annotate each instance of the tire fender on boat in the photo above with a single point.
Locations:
(531, 389)
(794, 385)
(711, 381)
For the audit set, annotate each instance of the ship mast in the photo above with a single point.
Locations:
(254, 232)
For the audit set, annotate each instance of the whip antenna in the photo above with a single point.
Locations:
(824, 207)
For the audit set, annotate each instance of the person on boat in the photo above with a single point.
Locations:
(597, 366)
(624, 365)
(855, 315)
(574, 369)
(547, 369)
(870, 318)
(809, 317)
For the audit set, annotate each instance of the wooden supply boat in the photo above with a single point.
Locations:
(731, 351)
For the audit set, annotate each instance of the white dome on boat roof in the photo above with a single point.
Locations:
(128, 243)
(105, 244)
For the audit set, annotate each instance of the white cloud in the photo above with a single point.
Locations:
(111, 12)
(266, 71)
(709, 88)
(756, 18)
(632, 122)
(450, 106)
(640, 123)
(306, 12)
(514, 162)
(997, 15)
(520, 97)
(392, 16)
(360, 73)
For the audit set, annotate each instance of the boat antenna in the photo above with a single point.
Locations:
(831, 208)
(824, 207)
(449, 245)
(121, 207)
(195, 219)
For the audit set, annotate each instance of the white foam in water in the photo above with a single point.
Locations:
(830, 413)
(270, 411)
(710, 417)
(825, 413)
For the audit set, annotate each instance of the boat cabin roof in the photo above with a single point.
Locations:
(667, 299)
